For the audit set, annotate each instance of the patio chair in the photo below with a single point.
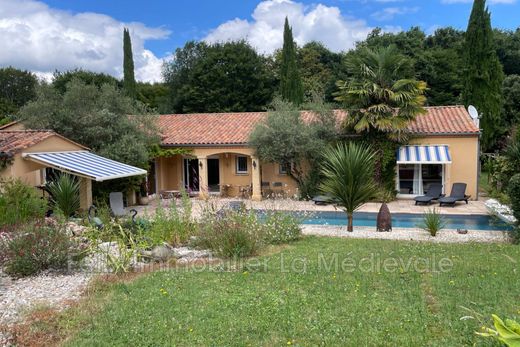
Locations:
(117, 206)
(278, 189)
(324, 200)
(434, 193)
(458, 193)
(266, 189)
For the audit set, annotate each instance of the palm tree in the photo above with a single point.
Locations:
(348, 172)
(381, 96)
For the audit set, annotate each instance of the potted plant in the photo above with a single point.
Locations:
(143, 198)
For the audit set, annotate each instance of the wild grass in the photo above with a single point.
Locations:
(265, 302)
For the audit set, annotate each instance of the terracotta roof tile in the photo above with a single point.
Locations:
(14, 141)
(234, 128)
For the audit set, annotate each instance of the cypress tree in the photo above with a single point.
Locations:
(483, 76)
(291, 87)
(129, 84)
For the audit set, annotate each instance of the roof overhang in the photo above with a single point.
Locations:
(85, 164)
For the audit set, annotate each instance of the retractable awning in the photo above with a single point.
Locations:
(85, 164)
(433, 154)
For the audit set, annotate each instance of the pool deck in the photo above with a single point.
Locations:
(397, 206)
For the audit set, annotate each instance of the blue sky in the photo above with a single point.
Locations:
(188, 20)
(48, 35)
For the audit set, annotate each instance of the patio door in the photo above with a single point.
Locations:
(191, 175)
(415, 179)
(213, 175)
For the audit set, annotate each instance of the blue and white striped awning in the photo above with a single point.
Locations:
(433, 154)
(85, 164)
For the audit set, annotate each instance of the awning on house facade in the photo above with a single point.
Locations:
(85, 164)
(432, 154)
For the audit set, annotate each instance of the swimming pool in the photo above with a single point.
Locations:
(404, 220)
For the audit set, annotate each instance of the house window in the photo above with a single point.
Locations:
(241, 163)
(283, 169)
(416, 179)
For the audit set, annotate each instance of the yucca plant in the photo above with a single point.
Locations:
(65, 194)
(348, 172)
(432, 222)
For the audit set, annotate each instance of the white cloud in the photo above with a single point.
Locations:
(390, 12)
(493, 2)
(42, 39)
(320, 23)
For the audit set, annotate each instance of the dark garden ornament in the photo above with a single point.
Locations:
(384, 219)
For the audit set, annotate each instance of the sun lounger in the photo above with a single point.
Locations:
(323, 200)
(434, 193)
(458, 193)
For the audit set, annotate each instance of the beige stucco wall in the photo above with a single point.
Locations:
(13, 126)
(170, 175)
(464, 156)
(463, 150)
(31, 172)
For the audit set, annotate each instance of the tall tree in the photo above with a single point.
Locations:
(129, 85)
(291, 87)
(381, 97)
(17, 87)
(483, 76)
(222, 77)
(60, 80)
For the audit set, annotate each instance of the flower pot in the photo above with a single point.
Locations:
(143, 200)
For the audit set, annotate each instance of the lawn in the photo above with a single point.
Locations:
(312, 305)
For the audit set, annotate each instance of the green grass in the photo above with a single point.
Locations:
(268, 307)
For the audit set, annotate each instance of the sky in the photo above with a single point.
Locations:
(48, 35)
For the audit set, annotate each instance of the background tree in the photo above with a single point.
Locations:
(154, 96)
(320, 69)
(291, 88)
(61, 79)
(507, 45)
(349, 177)
(381, 98)
(483, 75)
(287, 138)
(129, 84)
(222, 77)
(17, 87)
(511, 95)
(95, 117)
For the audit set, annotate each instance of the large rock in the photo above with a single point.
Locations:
(384, 219)
(162, 252)
(185, 252)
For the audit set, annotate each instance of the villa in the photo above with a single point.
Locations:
(444, 149)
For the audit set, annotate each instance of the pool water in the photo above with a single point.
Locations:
(405, 220)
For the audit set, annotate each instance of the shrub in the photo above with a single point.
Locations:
(173, 225)
(506, 332)
(432, 222)
(230, 234)
(281, 227)
(19, 203)
(514, 196)
(35, 247)
(65, 194)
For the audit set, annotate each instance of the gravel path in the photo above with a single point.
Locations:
(444, 236)
(54, 289)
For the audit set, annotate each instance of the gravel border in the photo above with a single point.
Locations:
(409, 234)
(17, 296)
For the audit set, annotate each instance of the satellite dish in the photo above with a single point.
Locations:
(473, 112)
